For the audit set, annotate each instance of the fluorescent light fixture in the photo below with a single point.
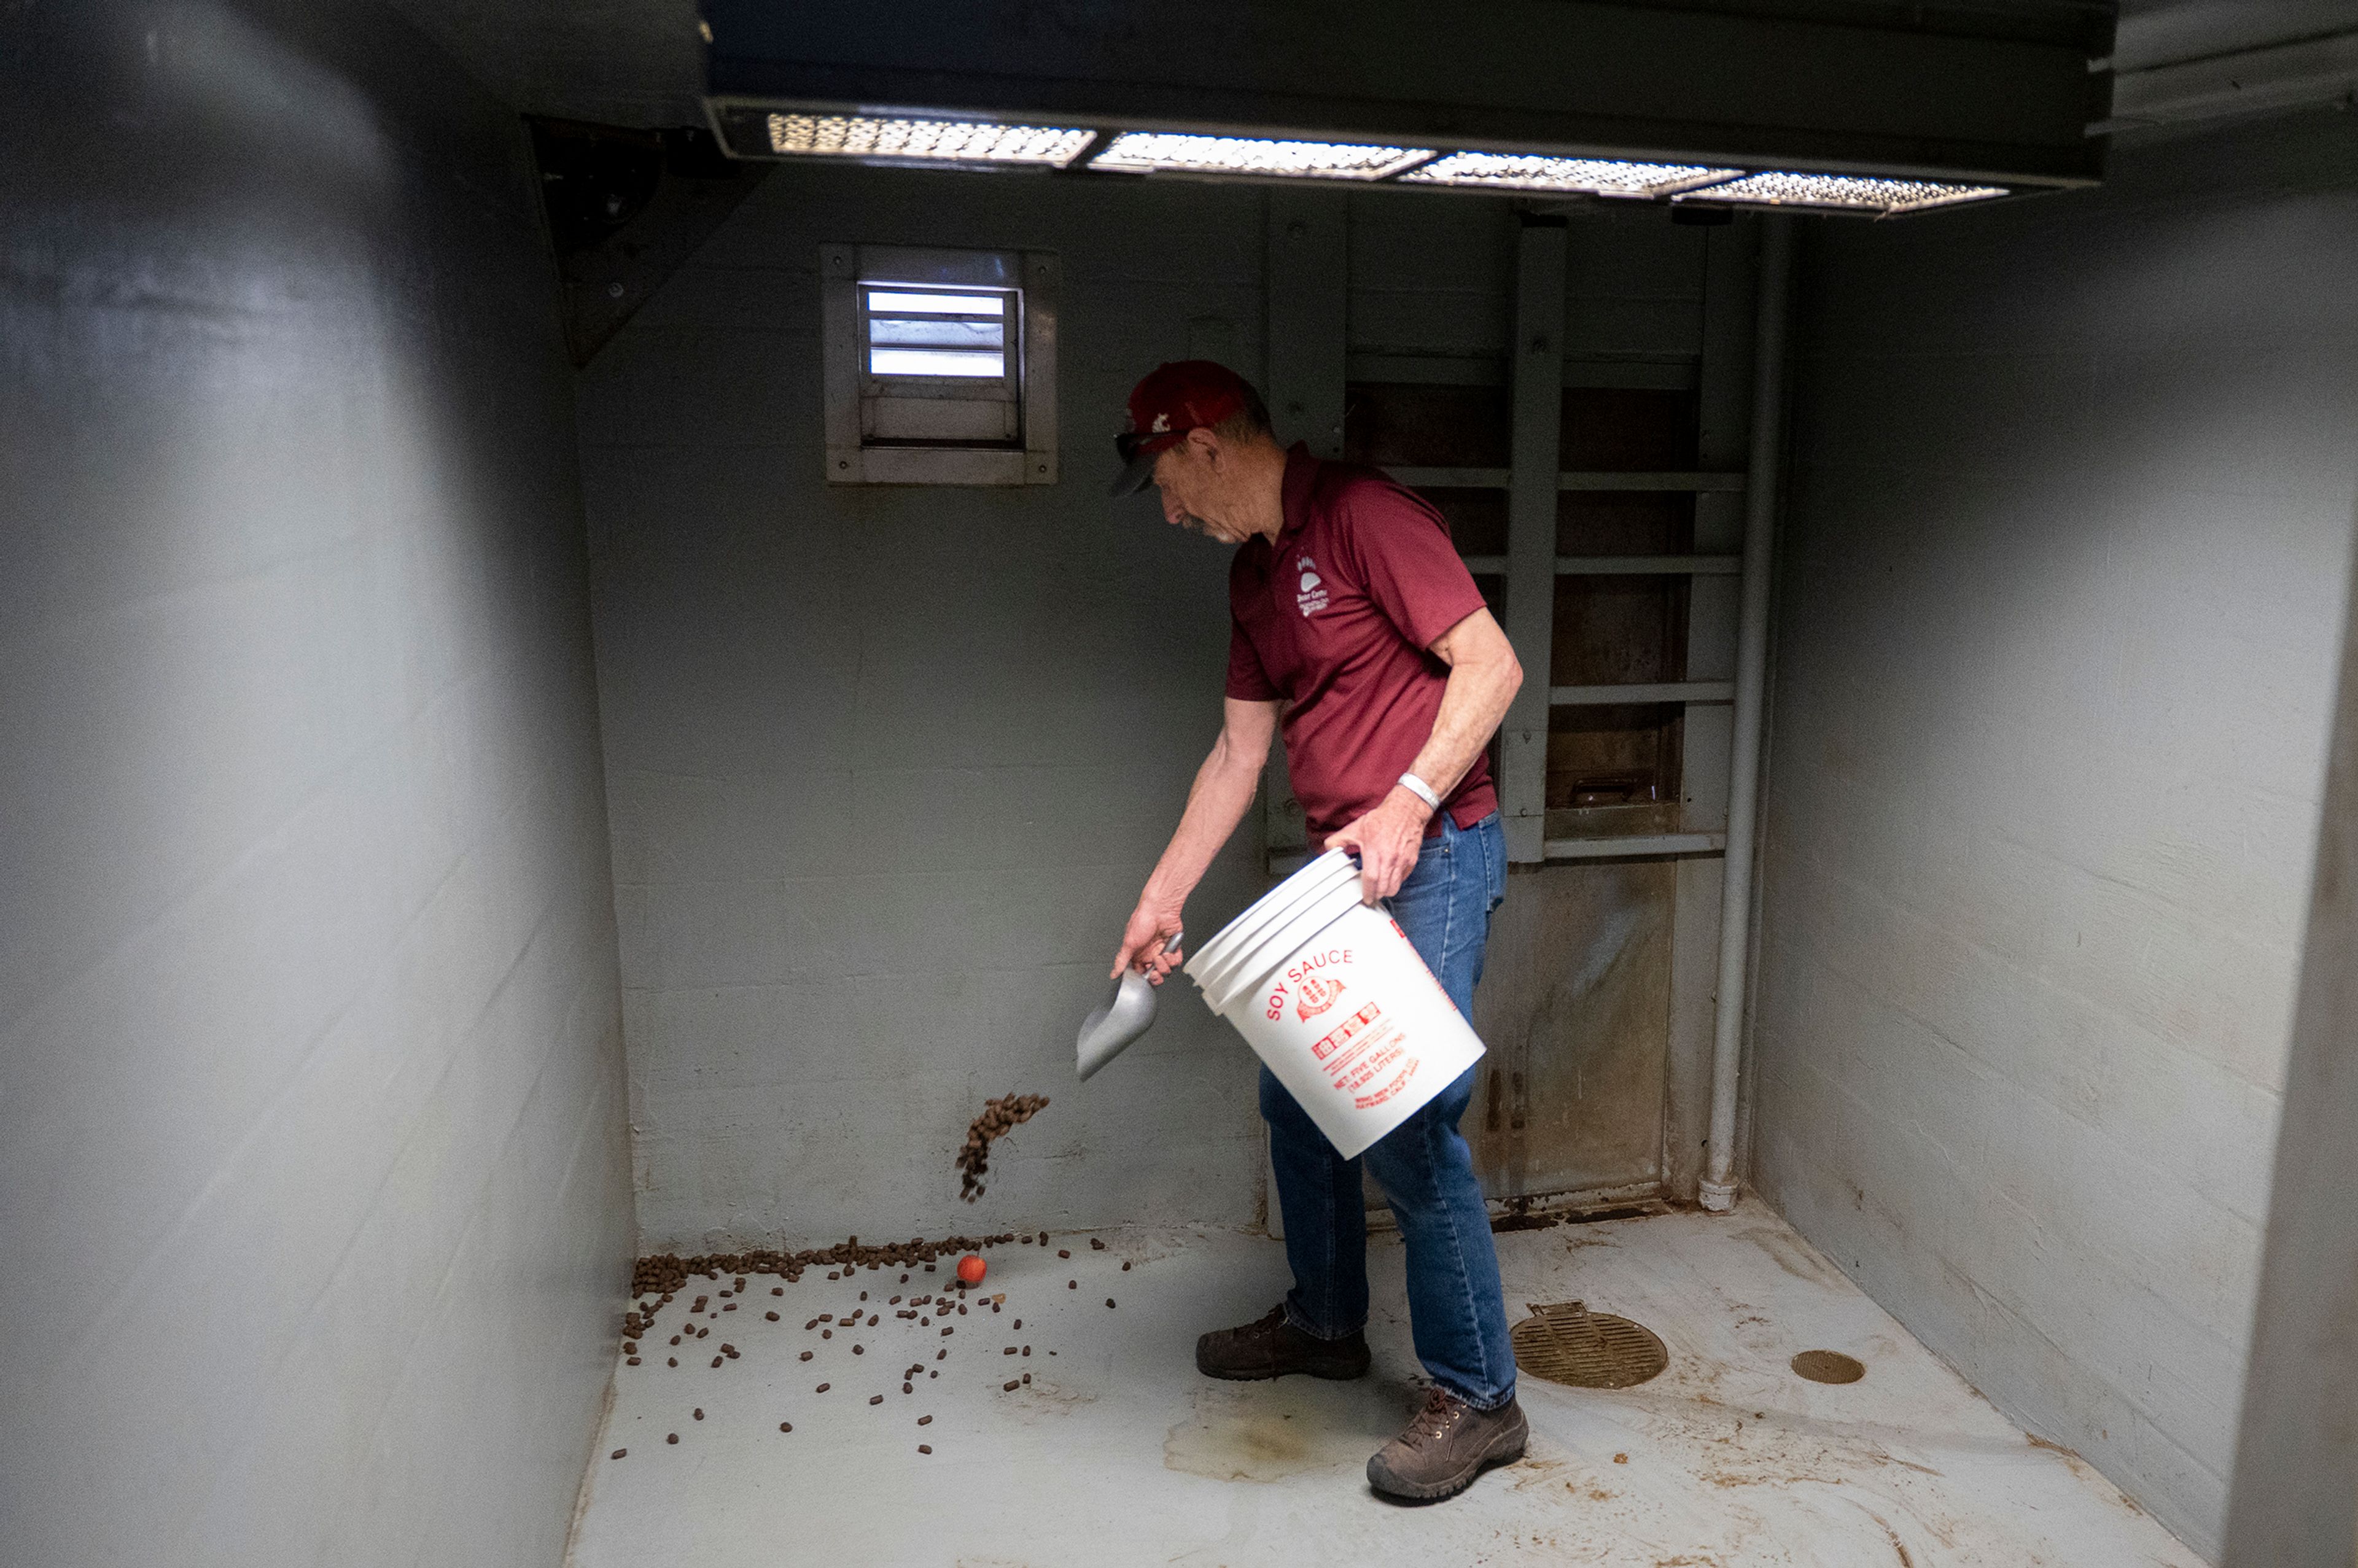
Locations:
(1150, 150)
(1581, 176)
(1855, 193)
(926, 141)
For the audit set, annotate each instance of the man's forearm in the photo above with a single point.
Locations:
(1224, 788)
(1473, 705)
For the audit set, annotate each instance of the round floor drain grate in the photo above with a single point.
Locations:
(1566, 1342)
(1828, 1367)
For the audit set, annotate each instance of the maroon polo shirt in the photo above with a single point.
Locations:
(1336, 618)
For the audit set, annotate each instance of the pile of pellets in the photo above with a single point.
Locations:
(658, 1280)
(999, 1116)
(669, 1272)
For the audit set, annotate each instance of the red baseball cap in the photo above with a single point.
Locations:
(1173, 399)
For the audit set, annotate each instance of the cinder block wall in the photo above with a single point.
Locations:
(888, 764)
(314, 1183)
(2061, 596)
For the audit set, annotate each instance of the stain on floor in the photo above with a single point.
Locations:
(1267, 1431)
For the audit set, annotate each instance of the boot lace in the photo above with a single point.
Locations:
(1440, 1413)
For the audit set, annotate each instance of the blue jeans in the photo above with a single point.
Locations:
(1423, 1166)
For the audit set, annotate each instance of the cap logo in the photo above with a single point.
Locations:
(1161, 423)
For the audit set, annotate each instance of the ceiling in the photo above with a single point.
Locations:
(640, 63)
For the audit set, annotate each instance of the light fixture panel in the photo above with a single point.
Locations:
(1843, 192)
(923, 141)
(1145, 152)
(1571, 175)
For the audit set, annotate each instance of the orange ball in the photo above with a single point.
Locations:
(971, 1266)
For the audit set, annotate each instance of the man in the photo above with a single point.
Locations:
(1353, 617)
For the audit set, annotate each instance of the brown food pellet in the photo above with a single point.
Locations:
(807, 1354)
(771, 1315)
(932, 1374)
(777, 1290)
(1027, 1379)
(785, 1426)
(1027, 1350)
(826, 1334)
(1062, 1252)
(630, 1348)
(618, 1454)
(717, 1359)
(700, 1413)
(1094, 1245)
(1620, 1459)
(875, 1399)
(731, 1307)
(632, 1362)
(1008, 1351)
(1109, 1301)
(1011, 1385)
(674, 1339)
(1125, 1265)
(942, 1356)
(908, 1388)
(859, 1350)
(925, 1448)
(1072, 1285)
(1018, 1322)
(924, 1420)
(822, 1387)
(999, 1118)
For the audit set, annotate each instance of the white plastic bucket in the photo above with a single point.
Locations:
(1332, 995)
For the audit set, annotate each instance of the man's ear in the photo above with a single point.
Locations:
(1205, 445)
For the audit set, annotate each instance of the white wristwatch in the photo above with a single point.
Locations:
(1422, 790)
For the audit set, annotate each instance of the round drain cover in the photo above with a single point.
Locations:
(1566, 1342)
(1828, 1367)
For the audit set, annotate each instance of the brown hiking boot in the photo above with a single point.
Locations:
(1270, 1347)
(1448, 1444)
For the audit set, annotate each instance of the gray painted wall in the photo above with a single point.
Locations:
(2061, 600)
(316, 1205)
(888, 765)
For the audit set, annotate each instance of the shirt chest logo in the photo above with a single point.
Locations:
(1311, 595)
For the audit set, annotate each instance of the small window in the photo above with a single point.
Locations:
(940, 365)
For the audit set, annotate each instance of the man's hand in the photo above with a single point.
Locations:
(1150, 924)
(1388, 840)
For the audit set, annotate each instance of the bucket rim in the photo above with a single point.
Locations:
(1280, 940)
(1233, 941)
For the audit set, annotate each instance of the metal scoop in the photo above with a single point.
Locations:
(1127, 1014)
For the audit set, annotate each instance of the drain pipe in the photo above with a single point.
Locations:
(1760, 483)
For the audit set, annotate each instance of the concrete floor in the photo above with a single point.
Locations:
(1119, 1453)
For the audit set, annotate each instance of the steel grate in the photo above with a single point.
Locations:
(1564, 1342)
(1828, 1367)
